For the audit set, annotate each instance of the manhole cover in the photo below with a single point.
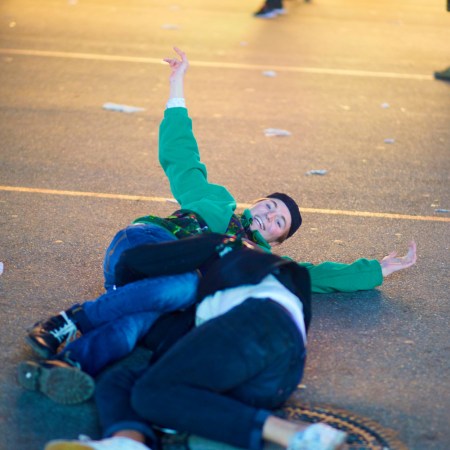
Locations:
(363, 433)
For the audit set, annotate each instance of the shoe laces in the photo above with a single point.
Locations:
(67, 331)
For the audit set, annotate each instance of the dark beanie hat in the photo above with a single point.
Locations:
(296, 217)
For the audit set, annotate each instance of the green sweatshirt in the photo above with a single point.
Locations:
(188, 178)
(179, 157)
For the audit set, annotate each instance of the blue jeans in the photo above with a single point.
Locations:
(113, 323)
(219, 381)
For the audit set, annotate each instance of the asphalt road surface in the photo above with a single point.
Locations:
(353, 85)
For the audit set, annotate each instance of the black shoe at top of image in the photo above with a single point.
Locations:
(265, 12)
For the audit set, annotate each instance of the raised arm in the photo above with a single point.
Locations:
(180, 158)
(178, 69)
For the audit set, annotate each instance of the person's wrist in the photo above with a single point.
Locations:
(177, 76)
(176, 102)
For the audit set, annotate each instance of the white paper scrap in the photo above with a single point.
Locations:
(122, 108)
(170, 26)
(317, 172)
(269, 132)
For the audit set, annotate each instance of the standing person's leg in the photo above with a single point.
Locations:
(220, 380)
(278, 6)
(266, 11)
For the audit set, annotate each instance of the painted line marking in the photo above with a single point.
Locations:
(142, 198)
(217, 65)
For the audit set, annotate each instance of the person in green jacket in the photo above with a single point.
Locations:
(112, 324)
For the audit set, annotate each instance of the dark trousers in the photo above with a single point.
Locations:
(219, 381)
(274, 4)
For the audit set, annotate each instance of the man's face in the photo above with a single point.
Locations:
(271, 218)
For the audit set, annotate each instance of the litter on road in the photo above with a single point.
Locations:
(122, 108)
(276, 132)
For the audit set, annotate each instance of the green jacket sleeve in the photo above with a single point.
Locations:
(363, 274)
(180, 159)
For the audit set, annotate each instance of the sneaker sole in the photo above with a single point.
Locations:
(67, 445)
(61, 384)
(266, 16)
(43, 352)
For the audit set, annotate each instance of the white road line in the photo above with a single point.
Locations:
(240, 205)
(216, 65)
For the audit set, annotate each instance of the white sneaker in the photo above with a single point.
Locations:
(114, 443)
(317, 437)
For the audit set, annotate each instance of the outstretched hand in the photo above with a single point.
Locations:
(391, 263)
(178, 66)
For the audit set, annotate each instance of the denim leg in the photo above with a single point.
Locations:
(108, 343)
(221, 379)
(159, 294)
(130, 237)
(112, 396)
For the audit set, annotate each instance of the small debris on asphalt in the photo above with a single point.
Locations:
(170, 26)
(269, 132)
(269, 73)
(389, 141)
(317, 172)
(122, 108)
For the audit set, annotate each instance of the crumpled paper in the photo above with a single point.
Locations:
(122, 108)
(269, 132)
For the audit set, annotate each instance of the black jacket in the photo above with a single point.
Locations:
(222, 262)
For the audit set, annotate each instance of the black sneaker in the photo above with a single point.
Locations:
(58, 380)
(46, 336)
(265, 13)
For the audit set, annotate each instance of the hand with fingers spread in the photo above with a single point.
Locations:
(178, 69)
(392, 263)
(178, 66)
